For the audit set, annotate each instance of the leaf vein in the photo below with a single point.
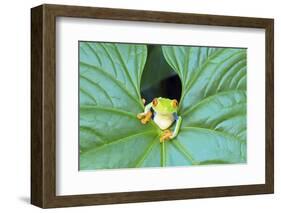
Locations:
(188, 110)
(127, 71)
(114, 80)
(96, 84)
(146, 152)
(94, 52)
(117, 141)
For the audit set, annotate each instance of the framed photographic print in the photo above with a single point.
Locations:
(136, 106)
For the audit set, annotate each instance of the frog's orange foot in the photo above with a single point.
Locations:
(140, 116)
(145, 118)
(167, 134)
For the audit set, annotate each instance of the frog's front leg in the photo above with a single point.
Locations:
(168, 134)
(146, 115)
(177, 128)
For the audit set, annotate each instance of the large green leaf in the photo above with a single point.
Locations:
(110, 134)
(213, 103)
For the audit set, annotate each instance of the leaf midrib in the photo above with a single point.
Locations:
(206, 99)
(146, 152)
(119, 140)
(105, 108)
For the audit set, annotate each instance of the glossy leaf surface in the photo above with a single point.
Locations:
(213, 102)
(110, 134)
(213, 107)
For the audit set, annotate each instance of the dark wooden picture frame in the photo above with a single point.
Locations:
(43, 105)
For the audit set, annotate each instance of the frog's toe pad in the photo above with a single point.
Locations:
(140, 116)
(144, 121)
(146, 118)
(167, 134)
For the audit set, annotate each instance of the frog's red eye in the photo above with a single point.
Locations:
(174, 103)
(155, 102)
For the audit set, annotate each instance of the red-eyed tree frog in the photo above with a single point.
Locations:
(163, 111)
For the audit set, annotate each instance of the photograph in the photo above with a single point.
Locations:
(161, 105)
(168, 105)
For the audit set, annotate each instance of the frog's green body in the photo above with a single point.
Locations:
(165, 114)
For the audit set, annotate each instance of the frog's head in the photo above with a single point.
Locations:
(165, 106)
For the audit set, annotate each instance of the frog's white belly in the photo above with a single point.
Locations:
(163, 121)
